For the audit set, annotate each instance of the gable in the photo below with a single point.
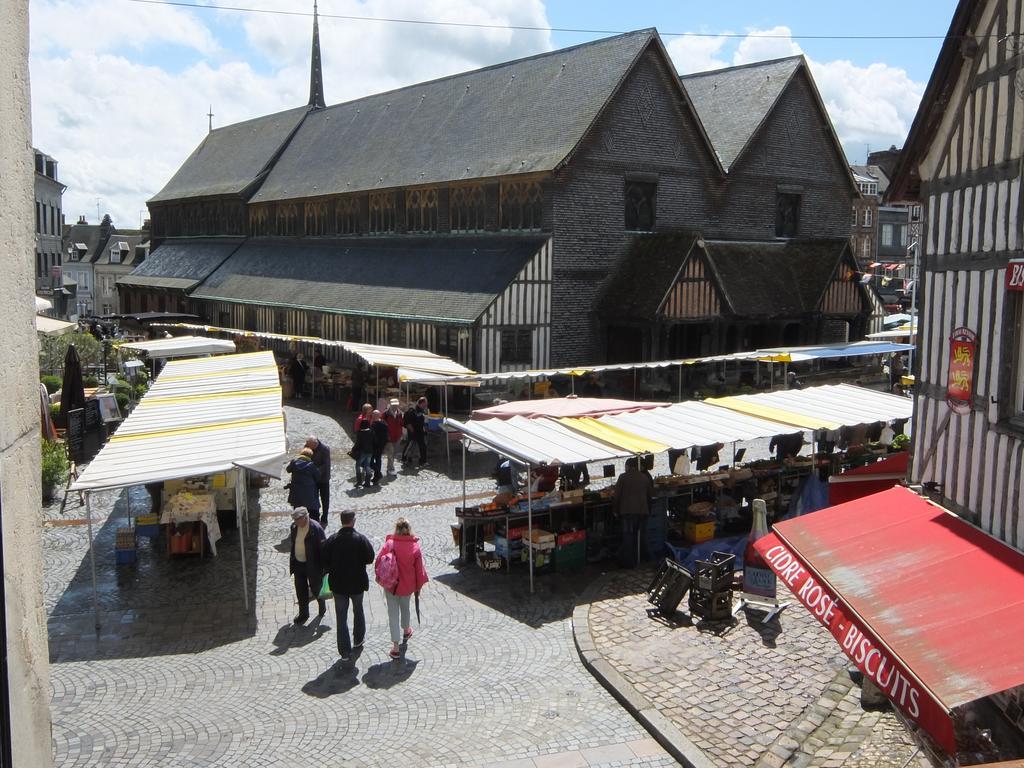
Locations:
(844, 294)
(694, 294)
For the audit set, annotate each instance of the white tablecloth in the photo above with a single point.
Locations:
(189, 506)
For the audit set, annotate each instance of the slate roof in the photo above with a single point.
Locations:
(438, 278)
(230, 159)
(181, 264)
(88, 235)
(645, 274)
(128, 257)
(733, 103)
(516, 117)
(767, 279)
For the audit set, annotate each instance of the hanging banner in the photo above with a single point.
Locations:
(1015, 275)
(963, 345)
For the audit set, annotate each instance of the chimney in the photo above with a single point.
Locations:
(81, 219)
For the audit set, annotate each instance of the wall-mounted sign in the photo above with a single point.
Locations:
(963, 346)
(1015, 275)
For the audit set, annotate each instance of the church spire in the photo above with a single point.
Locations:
(316, 75)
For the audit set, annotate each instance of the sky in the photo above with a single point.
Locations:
(121, 88)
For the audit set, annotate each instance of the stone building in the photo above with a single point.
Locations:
(486, 215)
(49, 221)
(95, 257)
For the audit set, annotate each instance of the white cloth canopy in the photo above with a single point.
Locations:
(181, 346)
(200, 417)
(536, 441)
(43, 304)
(51, 326)
(694, 423)
(826, 407)
(826, 351)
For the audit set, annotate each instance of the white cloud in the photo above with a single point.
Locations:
(869, 106)
(697, 53)
(120, 91)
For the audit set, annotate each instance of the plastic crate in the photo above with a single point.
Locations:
(711, 606)
(668, 587)
(571, 557)
(715, 573)
(124, 556)
(147, 526)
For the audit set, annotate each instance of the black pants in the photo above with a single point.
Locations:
(306, 583)
(421, 442)
(357, 397)
(324, 487)
(341, 603)
(375, 463)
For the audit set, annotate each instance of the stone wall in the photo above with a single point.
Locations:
(20, 517)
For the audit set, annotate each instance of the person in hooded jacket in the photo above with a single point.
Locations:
(412, 575)
(304, 489)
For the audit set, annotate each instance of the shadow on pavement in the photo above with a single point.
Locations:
(159, 604)
(298, 635)
(340, 677)
(389, 673)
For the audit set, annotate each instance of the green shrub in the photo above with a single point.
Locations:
(90, 381)
(52, 383)
(53, 349)
(55, 465)
(122, 401)
(139, 390)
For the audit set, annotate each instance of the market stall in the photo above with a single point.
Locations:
(209, 420)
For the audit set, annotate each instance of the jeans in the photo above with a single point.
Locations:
(375, 463)
(305, 584)
(398, 615)
(421, 443)
(358, 621)
(363, 468)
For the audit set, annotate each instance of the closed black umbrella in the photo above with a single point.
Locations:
(72, 392)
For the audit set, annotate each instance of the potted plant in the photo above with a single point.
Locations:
(55, 468)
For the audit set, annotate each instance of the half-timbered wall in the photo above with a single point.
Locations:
(843, 296)
(525, 304)
(971, 191)
(694, 295)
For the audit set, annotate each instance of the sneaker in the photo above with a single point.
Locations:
(408, 633)
(394, 653)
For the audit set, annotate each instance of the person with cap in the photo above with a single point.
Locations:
(346, 555)
(322, 459)
(304, 563)
(394, 422)
(363, 450)
(303, 490)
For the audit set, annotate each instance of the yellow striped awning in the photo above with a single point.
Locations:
(621, 438)
(803, 420)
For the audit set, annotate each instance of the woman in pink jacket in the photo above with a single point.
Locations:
(411, 578)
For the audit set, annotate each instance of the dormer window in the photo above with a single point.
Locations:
(117, 251)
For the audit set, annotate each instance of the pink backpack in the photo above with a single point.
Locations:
(385, 568)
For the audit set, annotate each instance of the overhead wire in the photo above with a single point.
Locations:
(527, 27)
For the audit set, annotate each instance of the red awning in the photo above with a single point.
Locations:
(928, 607)
(871, 478)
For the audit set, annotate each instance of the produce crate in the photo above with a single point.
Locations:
(571, 557)
(489, 561)
(571, 537)
(711, 606)
(542, 561)
(124, 556)
(147, 526)
(697, 533)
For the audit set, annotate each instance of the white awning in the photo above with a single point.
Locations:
(536, 441)
(51, 326)
(826, 407)
(694, 423)
(181, 346)
(43, 304)
(200, 417)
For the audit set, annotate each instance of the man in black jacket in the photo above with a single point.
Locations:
(306, 563)
(346, 555)
(322, 460)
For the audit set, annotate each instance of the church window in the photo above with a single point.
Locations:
(641, 204)
(421, 210)
(787, 214)
(287, 220)
(521, 205)
(382, 212)
(467, 205)
(316, 217)
(348, 215)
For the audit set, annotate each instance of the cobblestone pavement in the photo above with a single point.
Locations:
(743, 692)
(180, 675)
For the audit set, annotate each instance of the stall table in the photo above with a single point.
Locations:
(193, 507)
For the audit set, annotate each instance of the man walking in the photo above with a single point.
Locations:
(416, 421)
(305, 564)
(346, 556)
(322, 461)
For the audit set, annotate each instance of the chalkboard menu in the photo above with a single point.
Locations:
(76, 433)
(92, 414)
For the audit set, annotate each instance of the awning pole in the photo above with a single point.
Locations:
(447, 442)
(242, 516)
(92, 561)
(376, 385)
(529, 523)
(680, 398)
(463, 442)
(634, 383)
